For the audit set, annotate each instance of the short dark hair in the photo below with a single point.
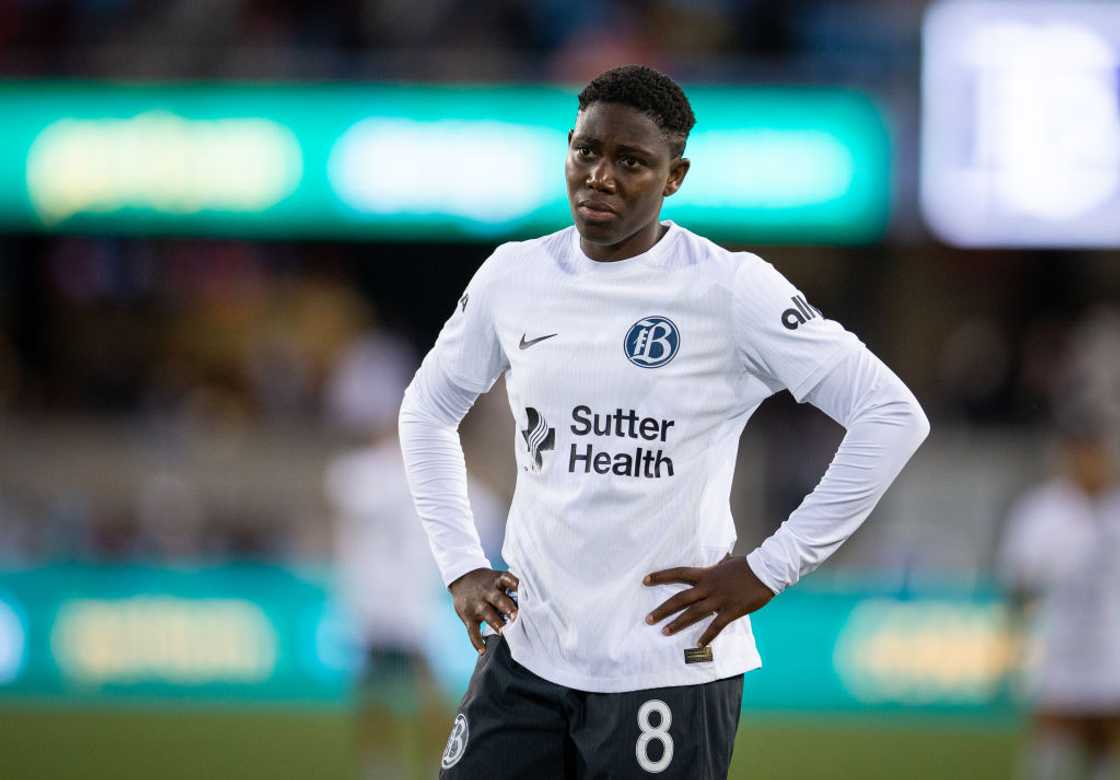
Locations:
(651, 92)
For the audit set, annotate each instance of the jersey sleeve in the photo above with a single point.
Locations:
(428, 427)
(467, 348)
(783, 339)
(885, 426)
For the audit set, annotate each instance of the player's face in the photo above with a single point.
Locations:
(1091, 464)
(619, 169)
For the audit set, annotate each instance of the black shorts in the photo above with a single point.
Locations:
(514, 724)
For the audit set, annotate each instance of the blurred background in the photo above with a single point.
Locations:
(230, 230)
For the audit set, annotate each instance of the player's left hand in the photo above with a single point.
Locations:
(729, 589)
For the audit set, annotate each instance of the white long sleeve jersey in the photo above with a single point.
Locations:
(630, 383)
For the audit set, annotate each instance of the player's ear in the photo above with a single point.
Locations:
(570, 132)
(678, 169)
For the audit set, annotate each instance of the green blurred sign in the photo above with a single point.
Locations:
(859, 648)
(90, 633)
(104, 634)
(430, 162)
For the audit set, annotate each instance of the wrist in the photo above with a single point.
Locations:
(757, 567)
(461, 566)
(462, 577)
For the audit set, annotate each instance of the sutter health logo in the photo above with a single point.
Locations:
(642, 461)
(538, 438)
(592, 457)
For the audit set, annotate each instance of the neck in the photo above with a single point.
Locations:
(635, 244)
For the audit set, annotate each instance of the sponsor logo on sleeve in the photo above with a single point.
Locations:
(801, 313)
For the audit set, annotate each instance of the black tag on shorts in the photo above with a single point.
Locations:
(698, 655)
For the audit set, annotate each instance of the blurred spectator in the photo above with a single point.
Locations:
(1060, 560)
(364, 391)
(386, 577)
(1094, 371)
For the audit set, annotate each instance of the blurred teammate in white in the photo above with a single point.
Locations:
(1060, 560)
(382, 557)
(634, 352)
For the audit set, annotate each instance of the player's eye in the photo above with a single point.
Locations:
(630, 162)
(583, 150)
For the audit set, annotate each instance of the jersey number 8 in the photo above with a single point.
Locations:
(651, 733)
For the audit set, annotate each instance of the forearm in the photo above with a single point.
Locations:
(437, 474)
(885, 425)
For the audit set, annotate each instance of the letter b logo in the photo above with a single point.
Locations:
(651, 342)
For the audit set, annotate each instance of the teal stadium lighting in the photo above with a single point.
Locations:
(416, 162)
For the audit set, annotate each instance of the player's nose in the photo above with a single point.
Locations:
(601, 177)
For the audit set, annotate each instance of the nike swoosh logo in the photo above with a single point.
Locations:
(526, 344)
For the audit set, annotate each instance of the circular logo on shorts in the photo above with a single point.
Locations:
(651, 342)
(456, 743)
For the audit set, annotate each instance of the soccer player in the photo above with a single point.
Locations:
(1060, 560)
(634, 352)
(381, 551)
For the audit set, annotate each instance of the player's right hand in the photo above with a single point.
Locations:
(480, 595)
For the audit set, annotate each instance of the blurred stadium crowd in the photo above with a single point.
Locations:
(448, 39)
